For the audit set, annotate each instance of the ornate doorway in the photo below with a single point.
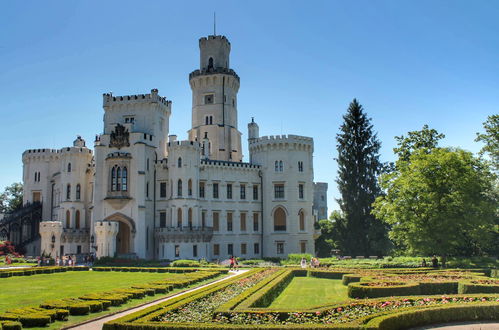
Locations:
(123, 239)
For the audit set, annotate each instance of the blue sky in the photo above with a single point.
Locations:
(409, 63)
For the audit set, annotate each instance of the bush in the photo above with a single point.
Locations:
(371, 290)
(327, 274)
(295, 258)
(185, 263)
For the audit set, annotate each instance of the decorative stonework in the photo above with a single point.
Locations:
(119, 137)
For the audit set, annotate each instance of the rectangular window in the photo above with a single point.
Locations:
(300, 166)
(203, 219)
(229, 221)
(243, 248)
(256, 248)
(177, 251)
(279, 191)
(201, 190)
(230, 249)
(216, 224)
(78, 249)
(162, 219)
(300, 191)
(194, 250)
(303, 246)
(162, 190)
(229, 191)
(280, 247)
(215, 190)
(255, 193)
(209, 98)
(255, 221)
(216, 249)
(243, 191)
(243, 221)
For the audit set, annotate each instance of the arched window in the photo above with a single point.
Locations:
(276, 166)
(113, 178)
(118, 178)
(301, 218)
(210, 63)
(179, 217)
(189, 218)
(68, 219)
(279, 219)
(179, 188)
(124, 179)
(77, 219)
(189, 187)
(78, 192)
(211, 120)
(280, 166)
(179, 162)
(69, 167)
(68, 192)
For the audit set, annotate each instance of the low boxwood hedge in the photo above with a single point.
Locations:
(334, 275)
(370, 290)
(470, 287)
(438, 287)
(10, 325)
(350, 278)
(433, 315)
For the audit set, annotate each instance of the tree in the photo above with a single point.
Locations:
(491, 139)
(12, 198)
(441, 202)
(426, 139)
(358, 169)
(325, 243)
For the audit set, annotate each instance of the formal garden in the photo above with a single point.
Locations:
(362, 294)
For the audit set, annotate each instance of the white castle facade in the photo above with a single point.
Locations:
(141, 193)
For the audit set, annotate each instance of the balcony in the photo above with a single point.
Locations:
(184, 234)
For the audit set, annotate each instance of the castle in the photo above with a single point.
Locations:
(142, 193)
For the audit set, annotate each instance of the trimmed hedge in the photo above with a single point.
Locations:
(334, 275)
(469, 287)
(433, 315)
(363, 290)
(10, 325)
(33, 316)
(438, 287)
(350, 278)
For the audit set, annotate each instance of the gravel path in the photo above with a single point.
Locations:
(96, 324)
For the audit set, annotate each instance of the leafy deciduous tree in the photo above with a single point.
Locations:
(440, 202)
(491, 139)
(12, 198)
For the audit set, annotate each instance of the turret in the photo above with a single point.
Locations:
(214, 53)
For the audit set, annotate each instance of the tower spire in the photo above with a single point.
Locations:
(214, 23)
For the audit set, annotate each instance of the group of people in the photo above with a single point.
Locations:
(233, 263)
(66, 260)
(314, 262)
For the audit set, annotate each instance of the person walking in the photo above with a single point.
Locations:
(231, 265)
(434, 261)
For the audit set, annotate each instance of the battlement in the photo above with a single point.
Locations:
(204, 40)
(219, 70)
(185, 143)
(223, 163)
(153, 97)
(284, 139)
(51, 152)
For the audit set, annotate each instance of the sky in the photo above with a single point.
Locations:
(301, 63)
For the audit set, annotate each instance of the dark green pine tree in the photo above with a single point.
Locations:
(359, 233)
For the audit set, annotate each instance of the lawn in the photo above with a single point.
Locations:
(307, 292)
(20, 291)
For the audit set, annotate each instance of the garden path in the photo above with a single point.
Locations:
(96, 324)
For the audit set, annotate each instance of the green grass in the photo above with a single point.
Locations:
(20, 291)
(307, 292)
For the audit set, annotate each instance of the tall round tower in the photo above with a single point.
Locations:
(214, 100)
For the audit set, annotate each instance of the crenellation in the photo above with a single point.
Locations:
(109, 99)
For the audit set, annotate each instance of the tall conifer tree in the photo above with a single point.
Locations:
(358, 232)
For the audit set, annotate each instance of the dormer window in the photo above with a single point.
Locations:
(209, 98)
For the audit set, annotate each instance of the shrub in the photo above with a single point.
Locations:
(375, 290)
(10, 325)
(185, 263)
(438, 287)
(470, 287)
(349, 278)
(327, 274)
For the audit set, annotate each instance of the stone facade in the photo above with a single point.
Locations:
(142, 193)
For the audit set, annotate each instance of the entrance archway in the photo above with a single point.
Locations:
(126, 233)
(123, 239)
